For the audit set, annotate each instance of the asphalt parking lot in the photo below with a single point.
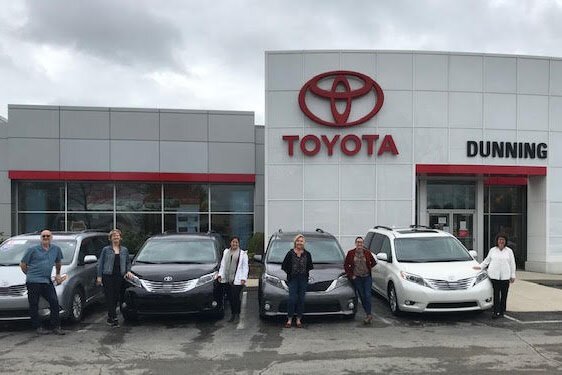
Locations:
(451, 344)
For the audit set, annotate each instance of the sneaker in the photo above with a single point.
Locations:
(109, 322)
(233, 318)
(42, 331)
(59, 331)
(115, 323)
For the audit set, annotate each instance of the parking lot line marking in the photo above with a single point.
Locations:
(512, 318)
(532, 321)
(242, 319)
(384, 320)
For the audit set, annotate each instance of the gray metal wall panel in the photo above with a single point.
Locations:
(231, 128)
(3, 154)
(183, 126)
(5, 220)
(38, 123)
(260, 159)
(232, 157)
(33, 154)
(134, 156)
(85, 124)
(259, 192)
(260, 134)
(183, 157)
(84, 155)
(134, 125)
(5, 188)
(259, 218)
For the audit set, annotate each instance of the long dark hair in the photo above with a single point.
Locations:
(502, 235)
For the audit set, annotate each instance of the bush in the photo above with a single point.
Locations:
(133, 240)
(255, 245)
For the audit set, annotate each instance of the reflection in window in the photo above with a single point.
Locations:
(186, 198)
(86, 196)
(505, 199)
(234, 225)
(446, 195)
(77, 222)
(232, 198)
(186, 223)
(138, 197)
(41, 196)
(137, 228)
(35, 222)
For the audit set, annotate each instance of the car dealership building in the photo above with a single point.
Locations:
(463, 142)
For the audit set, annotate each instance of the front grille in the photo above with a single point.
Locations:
(13, 291)
(14, 314)
(318, 287)
(451, 285)
(169, 287)
(311, 308)
(451, 305)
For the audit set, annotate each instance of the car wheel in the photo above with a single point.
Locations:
(129, 316)
(393, 300)
(76, 306)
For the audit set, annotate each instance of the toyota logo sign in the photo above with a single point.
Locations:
(341, 91)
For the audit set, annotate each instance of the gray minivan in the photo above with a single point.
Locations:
(80, 255)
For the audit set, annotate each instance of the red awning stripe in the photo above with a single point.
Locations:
(487, 170)
(132, 176)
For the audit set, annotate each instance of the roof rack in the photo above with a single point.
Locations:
(415, 226)
(319, 230)
(382, 227)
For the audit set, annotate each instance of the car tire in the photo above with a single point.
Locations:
(393, 300)
(129, 316)
(76, 306)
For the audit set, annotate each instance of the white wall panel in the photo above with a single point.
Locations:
(555, 150)
(360, 62)
(500, 111)
(430, 72)
(283, 110)
(555, 117)
(457, 141)
(465, 110)
(394, 213)
(394, 71)
(500, 74)
(431, 145)
(285, 181)
(357, 181)
(532, 76)
(532, 112)
(397, 112)
(285, 215)
(356, 217)
(394, 182)
(284, 71)
(430, 109)
(316, 63)
(321, 214)
(321, 181)
(555, 77)
(465, 73)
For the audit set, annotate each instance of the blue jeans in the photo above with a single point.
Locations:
(47, 291)
(363, 289)
(297, 289)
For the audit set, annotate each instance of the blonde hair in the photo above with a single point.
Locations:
(113, 232)
(296, 238)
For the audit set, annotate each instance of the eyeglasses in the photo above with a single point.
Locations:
(46, 236)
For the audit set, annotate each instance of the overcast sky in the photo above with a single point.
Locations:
(210, 54)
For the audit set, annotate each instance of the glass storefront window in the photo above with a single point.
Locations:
(504, 199)
(186, 222)
(28, 223)
(86, 196)
(137, 228)
(81, 221)
(186, 197)
(41, 196)
(447, 195)
(232, 198)
(234, 225)
(138, 197)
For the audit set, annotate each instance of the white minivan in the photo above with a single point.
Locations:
(426, 270)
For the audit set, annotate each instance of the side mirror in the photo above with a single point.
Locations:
(89, 259)
(473, 253)
(382, 256)
(258, 258)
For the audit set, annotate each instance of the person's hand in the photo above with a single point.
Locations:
(218, 278)
(242, 282)
(129, 275)
(476, 268)
(98, 281)
(512, 280)
(353, 277)
(58, 279)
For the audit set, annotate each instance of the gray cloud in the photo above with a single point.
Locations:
(124, 32)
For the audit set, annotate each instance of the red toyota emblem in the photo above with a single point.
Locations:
(341, 91)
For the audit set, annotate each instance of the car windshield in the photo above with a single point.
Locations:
(177, 251)
(430, 249)
(323, 250)
(13, 249)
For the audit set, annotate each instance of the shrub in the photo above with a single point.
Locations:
(255, 245)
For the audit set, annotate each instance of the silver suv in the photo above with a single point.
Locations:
(80, 255)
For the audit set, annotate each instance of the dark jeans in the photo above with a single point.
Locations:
(500, 295)
(47, 291)
(297, 290)
(233, 295)
(112, 288)
(363, 290)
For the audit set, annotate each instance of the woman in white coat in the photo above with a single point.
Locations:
(233, 273)
(500, 264)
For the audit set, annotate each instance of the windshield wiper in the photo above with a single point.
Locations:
(9, 264)
(411, 261)
(182, 262)
(145, 262)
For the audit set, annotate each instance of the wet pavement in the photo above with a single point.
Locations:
(465, 343)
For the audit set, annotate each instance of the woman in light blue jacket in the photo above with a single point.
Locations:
(114, 263)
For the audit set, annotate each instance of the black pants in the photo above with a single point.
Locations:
(112, 287)
(47, 291)
(500, 295)
(233, 295)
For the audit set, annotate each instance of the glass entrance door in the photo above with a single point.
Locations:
(459, 223)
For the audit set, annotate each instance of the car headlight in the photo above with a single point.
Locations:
(480, 277)
(206, 279)
(275, 281)
(339, 282)
(414, 279)
(135, 281)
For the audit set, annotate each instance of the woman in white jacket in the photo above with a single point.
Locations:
(500, 264)
(233, 273)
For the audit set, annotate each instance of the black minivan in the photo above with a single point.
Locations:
(175, 274)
